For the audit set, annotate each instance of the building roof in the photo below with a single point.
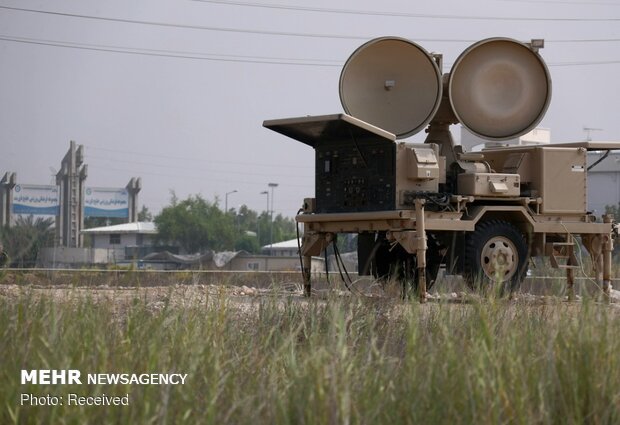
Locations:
(143, 227)
(290, 244)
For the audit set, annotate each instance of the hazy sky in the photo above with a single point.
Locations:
(175, 92)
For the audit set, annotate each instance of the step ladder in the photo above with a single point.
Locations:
(562, 254)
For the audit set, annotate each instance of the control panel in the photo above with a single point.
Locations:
(354, 176)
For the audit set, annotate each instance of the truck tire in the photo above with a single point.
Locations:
(495, 255)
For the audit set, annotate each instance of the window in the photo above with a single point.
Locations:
(253, 266)
(115, 239)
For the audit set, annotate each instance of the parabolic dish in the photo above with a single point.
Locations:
(393, 84)
(499, 88)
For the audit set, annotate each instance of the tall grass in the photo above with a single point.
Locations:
(293, 361)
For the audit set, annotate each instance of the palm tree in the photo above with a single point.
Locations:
(22, 241)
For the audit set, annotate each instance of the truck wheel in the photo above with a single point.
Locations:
(496, 254)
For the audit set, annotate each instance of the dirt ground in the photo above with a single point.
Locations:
(244, 298)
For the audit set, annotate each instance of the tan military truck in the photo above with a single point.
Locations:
(419, 206)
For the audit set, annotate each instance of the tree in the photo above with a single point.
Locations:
(23, 241)
(195, 225)
(613, 210)
(144, 214)
(247, 243)
(283, 228)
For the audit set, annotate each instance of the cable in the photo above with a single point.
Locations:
(187, 158)
(584, 63)
(576, 3)
(598, 161)
(185, 177)
(202, 170)
(346, 284)
(401, 14)
(51, 43)
(308, 35)
(184, 26)
(156, 53)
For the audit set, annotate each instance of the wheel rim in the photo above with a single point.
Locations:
(499, 259)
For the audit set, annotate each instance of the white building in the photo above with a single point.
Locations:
(108, 245)
(538, 136)
(288, 248)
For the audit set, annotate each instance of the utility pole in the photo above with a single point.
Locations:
(265, 192)
(272, 186)
(226, 200)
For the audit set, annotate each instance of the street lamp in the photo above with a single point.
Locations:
(272, 186)
(226, 200)
(264, 192)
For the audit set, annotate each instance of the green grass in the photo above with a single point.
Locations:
(341, 360)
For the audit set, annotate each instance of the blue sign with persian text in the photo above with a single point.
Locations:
(36, 199)
(106, 202)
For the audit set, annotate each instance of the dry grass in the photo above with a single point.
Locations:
(272, 356)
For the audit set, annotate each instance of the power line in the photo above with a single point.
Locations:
(594, 40)
(167, 53)
(193, 176)
(296, 34)
(576, 3)
(402, 14)
(185, 26)
(202, 170)
(238, 59)
(182, 158)
(585, 63)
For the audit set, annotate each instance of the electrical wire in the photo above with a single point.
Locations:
(297, 34)
(598, 161)
(336, 256)
(139, 52)
(575, 3)
(163, 53)
(402, 14)
(194, 176)
(187, 158)
(348, 282)
(202, 170)
(172, 25)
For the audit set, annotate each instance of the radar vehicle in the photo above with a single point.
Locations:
(417, 207)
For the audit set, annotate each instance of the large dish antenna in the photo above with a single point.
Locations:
(499, 88)
(393, 84)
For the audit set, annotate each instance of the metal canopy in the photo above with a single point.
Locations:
(313, 129)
